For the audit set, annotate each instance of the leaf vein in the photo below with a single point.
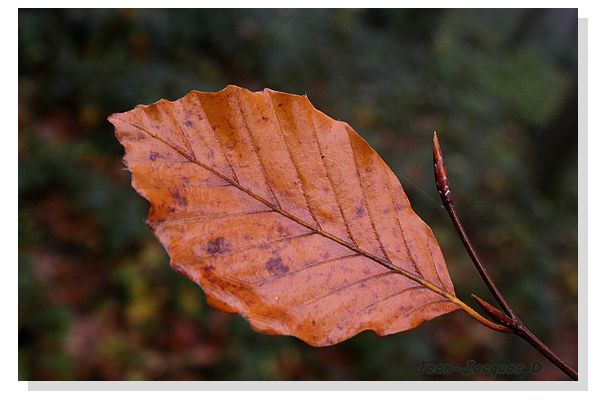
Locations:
(292, 159)
(203, 217)
(340, 289)
(357, 312)
(238, 250)
(366, 207)
(214, 133)
(256, 151)
(171, 113)
(304, 268)
(433, 261)
(332, 186)
(408, 252)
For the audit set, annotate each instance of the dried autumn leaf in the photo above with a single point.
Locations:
(283, 215)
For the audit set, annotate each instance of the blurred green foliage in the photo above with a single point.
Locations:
(97, 299)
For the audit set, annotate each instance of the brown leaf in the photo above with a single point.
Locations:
(283, 215)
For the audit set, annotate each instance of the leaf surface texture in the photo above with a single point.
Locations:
(283, 214)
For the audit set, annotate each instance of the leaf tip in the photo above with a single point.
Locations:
(112, 117)
(115, 119)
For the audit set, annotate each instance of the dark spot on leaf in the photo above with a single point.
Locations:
(275, 266)
(219, 245)
(154, 155)
(280, 105)
(360, 211)
(189, 123)
(178, 198)
(208, 267)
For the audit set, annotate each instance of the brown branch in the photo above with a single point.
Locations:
(507, 318)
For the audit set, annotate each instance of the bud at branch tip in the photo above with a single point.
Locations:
(439, 170)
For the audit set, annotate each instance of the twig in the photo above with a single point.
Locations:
(507, 318)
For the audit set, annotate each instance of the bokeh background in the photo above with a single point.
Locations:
(97, 298)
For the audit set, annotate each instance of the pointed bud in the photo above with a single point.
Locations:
(439, 170)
